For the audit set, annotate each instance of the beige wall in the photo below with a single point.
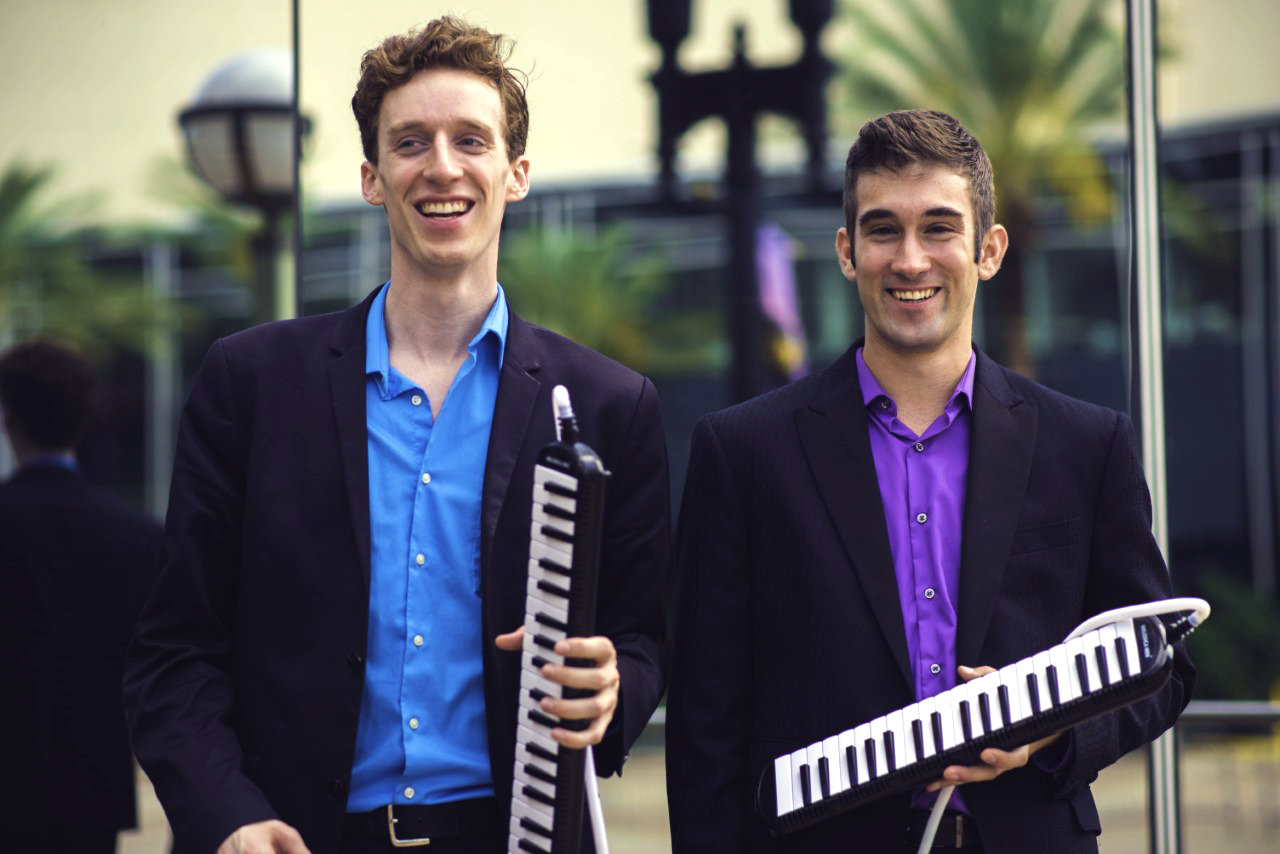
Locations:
(94, 86)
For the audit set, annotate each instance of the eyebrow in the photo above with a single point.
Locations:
(470, 125)
(884, 213)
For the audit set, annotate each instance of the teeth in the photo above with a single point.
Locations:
(915, 296)
(442, 208)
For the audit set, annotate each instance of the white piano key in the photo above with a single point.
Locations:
(860, 735)
(927, 707)
(988, 686)
(541, 495)
(544, 474)
(813, 753)
(557, 550)
(1040, 665)
(1075, 647)
(530, 679)
(1125, 631)
(907, 749)
(878, 727)
(532, 627)
(533, 726)
(1107, 643)
(946, 708)
(782, 783)
(893, 725)
(966, 694)
(531, 649)
(835, 765)
(527, 779)
(1063, 666)
(532, 810)
(549, 603)
(1090, 642)
(799, 769)
(541, 517)
(539, 573)
(525, 735)
(1009, 680)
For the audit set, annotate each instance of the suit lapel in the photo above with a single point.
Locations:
(518, 390)
(833, 434)
(1000, 452)
(347, 389)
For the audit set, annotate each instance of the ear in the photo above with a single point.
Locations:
(844, 254)
(994, 245)
(519, 186)
(370, 184)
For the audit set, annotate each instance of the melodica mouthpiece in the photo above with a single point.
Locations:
(566, 423)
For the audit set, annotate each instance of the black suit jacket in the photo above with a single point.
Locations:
(75, 565)
(245, 677)
(788, 626)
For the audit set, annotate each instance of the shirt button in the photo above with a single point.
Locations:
(417, 640)
(922, 518)
(919, 446)
(884, 404)
(408, 792)
(413, 723)
(935, 669)
(416, 400)
(928, 593)
(426, 478)
(420, 559)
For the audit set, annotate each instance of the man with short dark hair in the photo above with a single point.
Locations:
(350, 518)
(911, 516)
(75, 565)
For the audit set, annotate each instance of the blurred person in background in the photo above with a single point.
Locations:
(349, 521)
(75, 565)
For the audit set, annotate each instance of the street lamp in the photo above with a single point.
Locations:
(738, 95)
(238, 131)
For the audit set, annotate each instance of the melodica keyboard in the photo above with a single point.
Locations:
(564, 554)
(1082, 678)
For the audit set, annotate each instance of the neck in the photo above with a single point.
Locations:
(436, 318)
(920, 382)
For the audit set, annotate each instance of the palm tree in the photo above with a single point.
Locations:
(1031, 80)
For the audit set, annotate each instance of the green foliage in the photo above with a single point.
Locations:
(46, 286)
(1237, 652)
(601, 292)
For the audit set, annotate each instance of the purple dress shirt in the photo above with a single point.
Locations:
(922, 487)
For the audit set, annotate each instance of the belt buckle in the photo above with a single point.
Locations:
(397, 842)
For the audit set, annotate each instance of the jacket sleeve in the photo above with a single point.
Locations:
(635, 567)
(708, 708)
(178, 683)
(1125, 568)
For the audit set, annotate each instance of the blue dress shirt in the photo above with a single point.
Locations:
(422, 736)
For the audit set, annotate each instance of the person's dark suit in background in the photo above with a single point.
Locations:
(75, 565)
(910, 516)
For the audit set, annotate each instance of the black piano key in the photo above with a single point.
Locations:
(1002, 694)
(851, 759)
(805, 794)
(539, 718)
(869, 746)
(532, 847)
(556, 534)
(1051, 673)
(917, 737)
(552, 566)
(557, 511)
(824, 776)
(1122, 655)
(536, 827)
(539, 751)
(1100, 653)
(935, 723)
(1082, 670)
(890, 756)
(548, 620)
(1033, 688)
(966, 724)
(556, 489)
(548, 587)
(544, 641)
(538, 774)
(538, 661)
(537, 795)
(984, 711)
(538, 694)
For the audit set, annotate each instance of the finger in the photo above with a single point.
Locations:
(598, 649)
(511, 641)
(583, 738)
(582, 708)
(1006, 760)
(288, 841)
(971, 673)
(588, 678)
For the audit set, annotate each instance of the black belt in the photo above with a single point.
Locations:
(955, 831)
(409, 826)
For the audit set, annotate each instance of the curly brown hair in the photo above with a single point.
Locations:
(898, 139)
(446, 42)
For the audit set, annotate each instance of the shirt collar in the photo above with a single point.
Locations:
(873, 391)
(377, 357)
(52, 461)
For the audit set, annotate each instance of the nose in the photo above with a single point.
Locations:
(911, 259)
(442, 165)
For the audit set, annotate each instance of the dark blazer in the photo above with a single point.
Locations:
(788, 626)
(75, 566)
(245, 677)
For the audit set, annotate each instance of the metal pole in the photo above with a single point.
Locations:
(163, 392)
(1162, 756)
(294, 301)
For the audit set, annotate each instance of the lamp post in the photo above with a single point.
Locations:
(738, 95)
(238, 131)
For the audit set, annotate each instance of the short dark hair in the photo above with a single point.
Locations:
(444, 43)
(46, 390)
(898, 139)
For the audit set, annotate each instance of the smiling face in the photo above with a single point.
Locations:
(912, 258)
(443, 175)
